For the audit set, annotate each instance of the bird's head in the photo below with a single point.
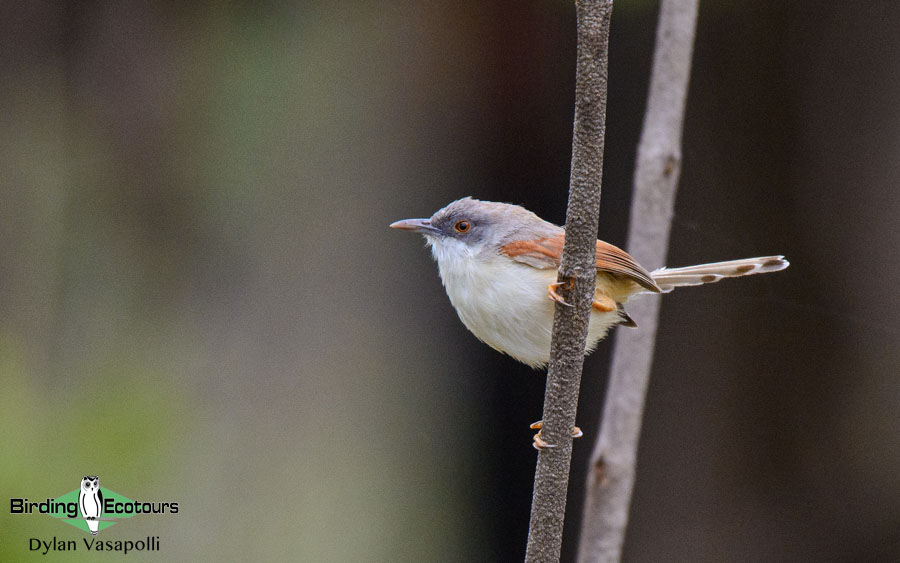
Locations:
(90, 483)
(470, 228)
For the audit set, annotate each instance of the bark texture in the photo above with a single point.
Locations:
(612, 469)
(578, 270)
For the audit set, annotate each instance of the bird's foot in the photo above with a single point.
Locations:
(551, 292)
(539, 442)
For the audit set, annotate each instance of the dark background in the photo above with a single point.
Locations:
(200, 300)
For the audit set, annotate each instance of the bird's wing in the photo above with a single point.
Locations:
(614, 260)
(545, 253)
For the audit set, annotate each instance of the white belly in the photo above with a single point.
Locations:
(90, 505)
(505, 305)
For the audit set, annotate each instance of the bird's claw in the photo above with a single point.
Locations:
(539, 442)
(554, 296)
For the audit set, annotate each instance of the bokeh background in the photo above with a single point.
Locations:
(201, 302)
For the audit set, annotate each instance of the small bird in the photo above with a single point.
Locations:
(498, 263)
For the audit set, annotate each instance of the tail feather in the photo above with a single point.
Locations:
(669, 278)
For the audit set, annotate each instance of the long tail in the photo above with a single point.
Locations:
(669, 278)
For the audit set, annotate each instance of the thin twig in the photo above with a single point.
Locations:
(578, 265)
(611, 474)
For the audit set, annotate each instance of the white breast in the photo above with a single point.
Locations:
(90, 504)
(505, 304)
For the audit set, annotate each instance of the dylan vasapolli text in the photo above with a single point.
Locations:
(151, 543)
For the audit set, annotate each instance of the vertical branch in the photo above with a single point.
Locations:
(611, 477)
(578, 270)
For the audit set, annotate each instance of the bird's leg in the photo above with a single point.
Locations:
(539, 442)
(604, 303)
(551, 291)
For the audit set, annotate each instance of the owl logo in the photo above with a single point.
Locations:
(90, 502)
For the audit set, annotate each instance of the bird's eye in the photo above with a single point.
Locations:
(462, 226)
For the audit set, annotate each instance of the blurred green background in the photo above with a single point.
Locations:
(201, 302)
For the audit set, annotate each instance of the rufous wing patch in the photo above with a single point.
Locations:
(545, 253)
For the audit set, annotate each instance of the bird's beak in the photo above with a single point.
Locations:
(423, 226)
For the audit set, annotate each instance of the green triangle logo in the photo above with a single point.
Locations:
(110, 499)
